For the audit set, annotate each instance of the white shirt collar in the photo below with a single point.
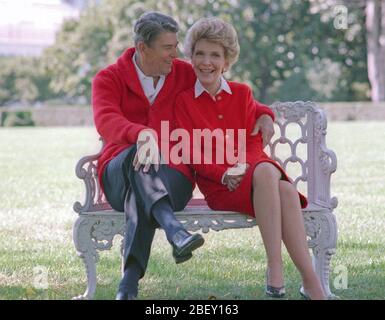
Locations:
(148, 82)
(199, 89)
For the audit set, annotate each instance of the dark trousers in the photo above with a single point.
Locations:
(135, 193)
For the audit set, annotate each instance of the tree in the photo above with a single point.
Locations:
(373, 15)
(23, 80)
(375, 26)
(283, 44)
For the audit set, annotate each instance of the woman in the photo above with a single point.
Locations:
(263, 189)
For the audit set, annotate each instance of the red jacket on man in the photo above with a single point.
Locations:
(121, 109)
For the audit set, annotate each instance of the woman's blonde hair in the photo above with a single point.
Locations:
(214, 30)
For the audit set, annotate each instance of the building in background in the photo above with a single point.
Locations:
(29, 26)
(80, 4)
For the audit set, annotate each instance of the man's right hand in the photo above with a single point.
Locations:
(147, 151)
(265, 124)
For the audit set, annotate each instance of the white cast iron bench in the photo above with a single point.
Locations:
(97, 224)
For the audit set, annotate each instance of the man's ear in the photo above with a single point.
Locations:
(141, 47)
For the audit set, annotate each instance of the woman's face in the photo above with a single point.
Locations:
(208, 61)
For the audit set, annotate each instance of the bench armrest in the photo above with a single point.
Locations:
(94, 197)
(321, 162)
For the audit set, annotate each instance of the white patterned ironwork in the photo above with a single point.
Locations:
(97, 224)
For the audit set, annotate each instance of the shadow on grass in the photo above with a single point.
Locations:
(13, 293)
(29, 293)
(232, 273)
(225, 272)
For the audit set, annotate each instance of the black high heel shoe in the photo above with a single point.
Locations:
(274, 292)
(304, 294)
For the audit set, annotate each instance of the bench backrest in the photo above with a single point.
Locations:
(299, 143)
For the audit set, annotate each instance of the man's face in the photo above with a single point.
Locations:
(157, 58)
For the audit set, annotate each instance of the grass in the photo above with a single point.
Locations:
(38, 188)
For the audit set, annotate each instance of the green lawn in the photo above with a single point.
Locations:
(38, 187)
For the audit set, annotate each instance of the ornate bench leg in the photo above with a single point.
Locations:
(322, 267)
(322, 228)
(87, 252)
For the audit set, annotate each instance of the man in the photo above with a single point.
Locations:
(130, 98)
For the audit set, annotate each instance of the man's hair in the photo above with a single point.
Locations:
(151, 24)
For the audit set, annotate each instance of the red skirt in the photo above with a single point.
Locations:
(218, 197)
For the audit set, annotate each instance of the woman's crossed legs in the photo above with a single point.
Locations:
(279, 217)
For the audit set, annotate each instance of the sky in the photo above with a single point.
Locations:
(28, 26)
(41, 14)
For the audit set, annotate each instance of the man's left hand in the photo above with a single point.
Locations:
(265, 124)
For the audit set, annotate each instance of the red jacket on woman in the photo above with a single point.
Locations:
(227, 111)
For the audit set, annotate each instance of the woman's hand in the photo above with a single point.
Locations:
(232, 180)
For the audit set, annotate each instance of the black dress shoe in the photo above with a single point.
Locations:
(181, 259)
(184, 243)
(124, 296)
